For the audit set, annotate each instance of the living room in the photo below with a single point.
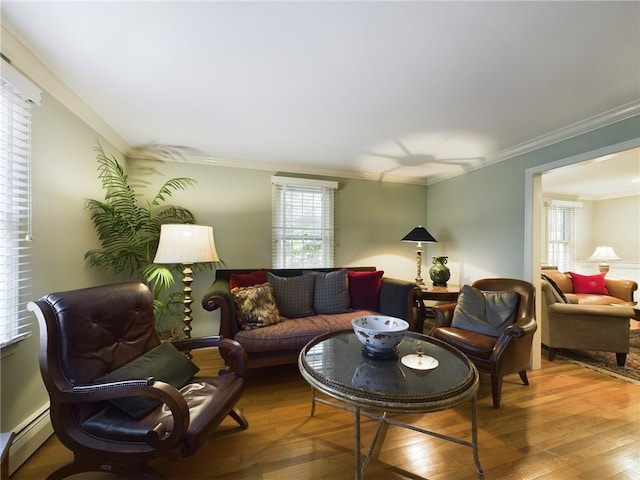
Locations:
(483, 220)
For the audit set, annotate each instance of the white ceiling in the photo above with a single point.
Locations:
(413, 91)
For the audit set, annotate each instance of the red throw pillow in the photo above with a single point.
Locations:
(589, 284)
(248, 279)
(364, 290)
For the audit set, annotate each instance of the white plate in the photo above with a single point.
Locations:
(419, 362)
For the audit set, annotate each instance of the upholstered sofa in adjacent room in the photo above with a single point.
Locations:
(590, 289)
(274, 313)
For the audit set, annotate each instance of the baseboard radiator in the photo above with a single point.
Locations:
(30, 435)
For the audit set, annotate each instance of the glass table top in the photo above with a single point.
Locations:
(337, 364)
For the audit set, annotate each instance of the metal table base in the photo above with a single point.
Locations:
(361, 464)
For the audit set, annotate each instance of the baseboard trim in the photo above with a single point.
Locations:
(29, 437)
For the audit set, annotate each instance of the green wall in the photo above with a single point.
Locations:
(479, 218)
(64, 174)
(371, 218)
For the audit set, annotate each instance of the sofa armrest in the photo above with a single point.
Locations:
(622, 289)
(219, 297)
(399, 298)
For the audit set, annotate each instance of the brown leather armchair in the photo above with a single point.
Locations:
(87, 333)
(498, 356)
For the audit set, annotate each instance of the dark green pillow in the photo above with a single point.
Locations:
(164, 363)
(489, 313)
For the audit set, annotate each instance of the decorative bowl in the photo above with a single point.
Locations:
(379, 334)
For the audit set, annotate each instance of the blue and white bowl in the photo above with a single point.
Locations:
(379, 334)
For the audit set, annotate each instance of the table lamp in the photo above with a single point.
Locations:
(186, 244)
(419, 234)
(603, 254)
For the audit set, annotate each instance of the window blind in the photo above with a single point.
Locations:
(18, 95)
(303, 223)
(560, 234)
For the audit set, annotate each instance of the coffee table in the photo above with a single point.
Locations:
(335, 365)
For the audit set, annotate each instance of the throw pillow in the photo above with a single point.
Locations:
(489, 313)
(255, 306)
(594, 284)
(248, 279)
(164, 363)
(294, 295)
(331, 292)
(364, 290)
(557, 291)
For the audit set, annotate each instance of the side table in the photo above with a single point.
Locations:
(436, 296)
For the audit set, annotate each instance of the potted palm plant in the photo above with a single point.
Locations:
(128, 228)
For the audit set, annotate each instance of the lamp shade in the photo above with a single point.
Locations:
(604, 254)
(418, 234)
(184, 243)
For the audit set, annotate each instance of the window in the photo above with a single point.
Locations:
(303, 231)
(18, 95)
(561, 230)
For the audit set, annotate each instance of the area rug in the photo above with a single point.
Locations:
(605, 362)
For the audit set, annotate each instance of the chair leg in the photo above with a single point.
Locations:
(621, 359)
(496, 390)
(523, 377)
(552, 354)
(240, 418)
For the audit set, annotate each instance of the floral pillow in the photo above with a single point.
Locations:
(255, 306)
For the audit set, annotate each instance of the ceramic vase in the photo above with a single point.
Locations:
(439, 272)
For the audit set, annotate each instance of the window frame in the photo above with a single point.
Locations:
(18, 96)
(560, 234)
(308, 221)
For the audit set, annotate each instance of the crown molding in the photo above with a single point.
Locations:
(23, 60)
(604, 119)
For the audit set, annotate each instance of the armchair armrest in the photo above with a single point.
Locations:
(622, 289)
(157, 437)
(443, 314)
(233, 354)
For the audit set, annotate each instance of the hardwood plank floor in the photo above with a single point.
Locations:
(570, 423)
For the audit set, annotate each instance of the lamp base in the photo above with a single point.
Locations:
(604, 268)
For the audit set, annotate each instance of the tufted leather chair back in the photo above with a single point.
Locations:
(101, 328)
(90, 332)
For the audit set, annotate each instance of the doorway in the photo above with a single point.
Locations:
(533, 221)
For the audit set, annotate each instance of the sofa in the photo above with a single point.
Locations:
(274, 313)
(584, 326)
(571, 287)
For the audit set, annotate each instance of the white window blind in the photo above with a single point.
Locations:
(560, 233)
(303, 222)
(18, 95)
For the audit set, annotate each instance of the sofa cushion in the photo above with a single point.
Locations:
(248, 279)
(255, 306)
(295, 333)
(294, 295)
(594, 284)
(163, 362)
(331, 292)
(364, 289)
(489, 313)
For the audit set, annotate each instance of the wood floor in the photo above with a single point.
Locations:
(570, 423)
